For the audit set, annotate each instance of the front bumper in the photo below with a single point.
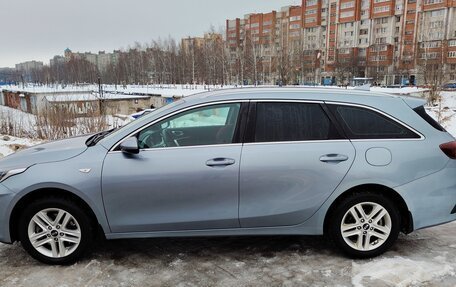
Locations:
(6, 196)
(431, 199)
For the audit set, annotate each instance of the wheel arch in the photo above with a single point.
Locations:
(396, 198)
(48, 192)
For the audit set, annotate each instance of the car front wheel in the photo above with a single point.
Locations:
(365, 225)
(55, 231)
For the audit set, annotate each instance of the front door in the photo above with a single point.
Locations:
(185, 177)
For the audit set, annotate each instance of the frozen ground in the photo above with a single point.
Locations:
(423, 258)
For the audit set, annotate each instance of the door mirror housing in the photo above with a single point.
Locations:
(130, 146)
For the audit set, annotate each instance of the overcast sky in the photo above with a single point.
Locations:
(40, 29)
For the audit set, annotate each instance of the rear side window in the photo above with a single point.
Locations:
(278, 122)
(422, 113)
(362, 123)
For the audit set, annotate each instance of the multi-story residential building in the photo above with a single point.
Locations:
(101, 60)
(261, 44)
(189, 43)
(201, 54)
(26, 69)
(29, 66)
(57, 60)
(331, 41)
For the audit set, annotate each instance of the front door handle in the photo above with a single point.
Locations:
(220, 161)
(333, 158)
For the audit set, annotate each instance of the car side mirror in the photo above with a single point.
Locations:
(130, 146)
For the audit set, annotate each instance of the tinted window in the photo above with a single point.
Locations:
(362, 123)
(202, 126)
(276, 122)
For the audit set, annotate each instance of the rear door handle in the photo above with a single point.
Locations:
(220, 161)
(333, 158)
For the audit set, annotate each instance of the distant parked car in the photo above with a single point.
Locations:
(139, 114)
(357, 166)
(449, 86)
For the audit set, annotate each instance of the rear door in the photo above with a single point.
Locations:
(293, 159)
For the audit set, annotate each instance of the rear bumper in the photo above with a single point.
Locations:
(6, 197)
(432, 199)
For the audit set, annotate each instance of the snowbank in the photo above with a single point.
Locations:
(9, 144)
(399, 271)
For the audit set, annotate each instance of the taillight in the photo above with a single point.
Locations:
(449, 149)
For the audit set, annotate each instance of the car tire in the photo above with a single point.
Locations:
(55, 231)
(364, 225)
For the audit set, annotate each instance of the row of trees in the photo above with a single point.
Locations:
(163, 61)
(208, 61)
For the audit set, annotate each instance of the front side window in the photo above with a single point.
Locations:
(362, 123)
(279, 122)
(209, 125)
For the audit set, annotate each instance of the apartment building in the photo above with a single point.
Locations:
(190, 43)
(101, 60)
(330, 41)
(27, 69)
(263, 45)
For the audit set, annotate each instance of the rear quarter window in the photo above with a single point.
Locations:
(425, 116)
(363, 123)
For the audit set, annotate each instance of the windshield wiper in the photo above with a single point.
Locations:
(93, 140)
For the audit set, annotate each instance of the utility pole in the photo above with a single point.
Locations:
(100, 92)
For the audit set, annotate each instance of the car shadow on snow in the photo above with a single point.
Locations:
(214, 247)
(243, 248)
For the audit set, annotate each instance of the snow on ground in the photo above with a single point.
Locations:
(402, 91)
(418, 271)
(32, 88)
(9, 144)
(22, 123)
(85, 97)
(423, 258)
(25, 124)
(170, 90)
(164, 90)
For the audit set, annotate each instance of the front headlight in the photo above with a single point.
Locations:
(9, 173)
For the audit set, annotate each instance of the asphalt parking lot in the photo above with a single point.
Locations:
(423, 258)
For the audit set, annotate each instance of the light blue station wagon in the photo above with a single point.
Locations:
(357, 166)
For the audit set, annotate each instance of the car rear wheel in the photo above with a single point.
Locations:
(365, 225)
(55, 231)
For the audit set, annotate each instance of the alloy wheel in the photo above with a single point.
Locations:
(54, 232)
(366, 226)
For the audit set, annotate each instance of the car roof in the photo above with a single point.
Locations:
(298, 93)
(390, 104)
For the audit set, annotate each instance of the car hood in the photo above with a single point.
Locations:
(48, 152)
